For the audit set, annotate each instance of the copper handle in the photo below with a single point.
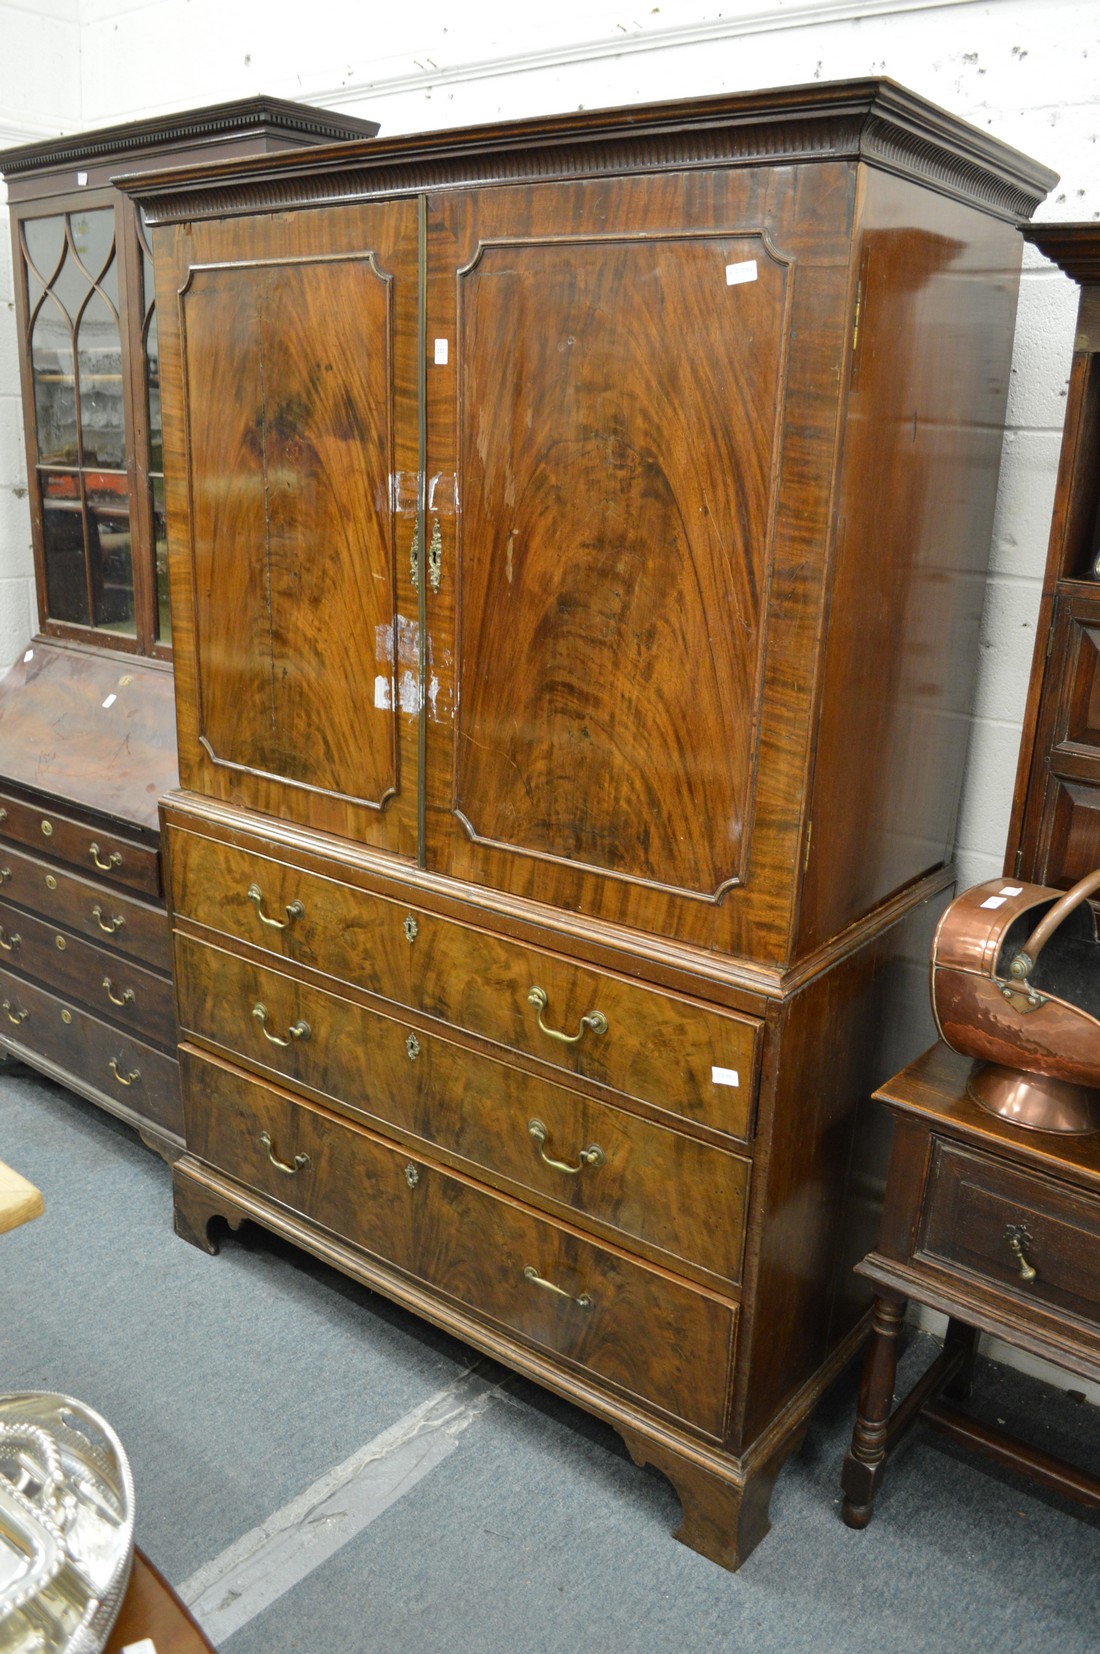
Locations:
(595, 1019)
(293, 910)
(113, 860)
(1028, 956)
(116, 923)
(302, 1162)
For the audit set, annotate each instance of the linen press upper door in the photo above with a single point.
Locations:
(619, 390)
(291, 355)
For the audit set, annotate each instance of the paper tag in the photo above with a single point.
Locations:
(29, 655)
(110, 701)
(994, 901)
(441, 353)
(145, 1646)
(1012, 890)
(81, 179)
(725, 1076)
(737, 273)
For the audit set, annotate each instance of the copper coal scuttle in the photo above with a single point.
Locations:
(1016, 984)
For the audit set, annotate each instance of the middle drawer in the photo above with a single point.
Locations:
(682, 1199)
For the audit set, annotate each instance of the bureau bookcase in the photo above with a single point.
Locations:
(577, 532)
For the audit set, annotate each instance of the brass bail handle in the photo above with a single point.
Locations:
(595, 1020)
(1028, 957)
(293, 910)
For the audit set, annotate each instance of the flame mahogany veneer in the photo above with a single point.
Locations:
(577, 535)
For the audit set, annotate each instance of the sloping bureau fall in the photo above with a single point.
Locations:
(577, 543)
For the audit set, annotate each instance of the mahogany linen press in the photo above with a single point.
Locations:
(577, 536)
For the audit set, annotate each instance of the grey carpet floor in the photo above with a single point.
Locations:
(238, 1382)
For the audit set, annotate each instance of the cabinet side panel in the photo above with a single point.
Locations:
(922, 445)
(822, 1150)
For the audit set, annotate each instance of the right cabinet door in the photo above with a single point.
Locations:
(289, 357)
(616, 408)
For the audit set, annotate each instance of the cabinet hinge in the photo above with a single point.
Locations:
(806, 854)
(1019, 862)
(1050, 640)
(855, 320)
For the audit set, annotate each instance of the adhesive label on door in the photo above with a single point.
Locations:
(725, 1076)
(744, 271)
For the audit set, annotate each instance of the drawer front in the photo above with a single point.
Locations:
(686, 1198)
(689, 1059)
(976, 1207)
(141, 1080)
(109, 986)
(104, 916)
(629, 1325)
(92, 848)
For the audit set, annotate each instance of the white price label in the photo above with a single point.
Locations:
(725, 1076)
(737, 273)
(994, 901)
(110, 701)
(441, 353)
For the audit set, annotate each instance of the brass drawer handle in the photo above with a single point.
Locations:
(594, 1020)
(127, 993)
(294, 910)
(1018, 1237)
(302, 1162)
(297, 1030)
(592, 1156)
(14, 1015)
(123, 1079)
(5, 874)
(9, 943)
(531, 1274)
(113, 860)
(116, 923)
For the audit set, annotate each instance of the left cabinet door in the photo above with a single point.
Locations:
(289, 373)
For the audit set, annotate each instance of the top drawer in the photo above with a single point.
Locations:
(692, 1060)
(45, 831)
(1029, 1236)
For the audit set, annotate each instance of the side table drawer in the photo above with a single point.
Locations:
(89, 848)
(976, 1206)
(637, 1328)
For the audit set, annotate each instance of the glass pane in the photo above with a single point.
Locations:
(44, 239)
(54, 386)
(63, 536)
(152, 381)
(160, 552)
(99, 358)
(109, 551)
(93, 236)
(70, 286)
(108, 281)
(35, 289)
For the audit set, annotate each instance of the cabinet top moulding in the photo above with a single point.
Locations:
(875, 121)
(247, 122)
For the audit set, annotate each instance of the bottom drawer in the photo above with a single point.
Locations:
(637, 1328)
(126, 1073)
(1027, 1235)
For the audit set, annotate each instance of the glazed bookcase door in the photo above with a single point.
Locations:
(293, 345)
(617, 403)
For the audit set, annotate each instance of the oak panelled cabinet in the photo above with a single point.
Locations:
(577, 533)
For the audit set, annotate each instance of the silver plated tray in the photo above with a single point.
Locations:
(66, 1526)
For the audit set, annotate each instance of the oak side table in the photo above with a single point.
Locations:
(998, 1228)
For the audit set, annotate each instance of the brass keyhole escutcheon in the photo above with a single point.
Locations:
(47, 829)
(412, 1176)
(412, 1047)
(411, 929)
(51, 882)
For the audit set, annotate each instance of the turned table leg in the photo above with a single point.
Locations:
(866, 1459)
